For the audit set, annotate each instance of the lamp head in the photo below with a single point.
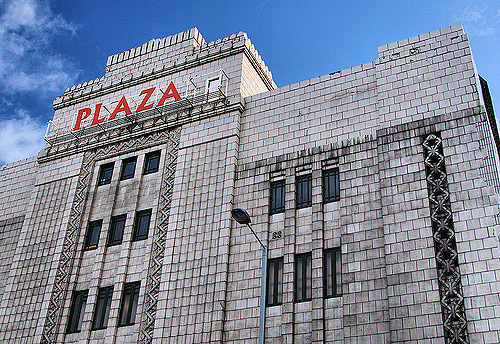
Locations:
(241, 216)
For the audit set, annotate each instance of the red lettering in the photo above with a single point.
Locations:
(96, 118)
(122, 106)
(80, 117)
(169, 93)
(142, 105)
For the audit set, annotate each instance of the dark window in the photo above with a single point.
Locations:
(116, 230)
(304, 191)
(92, 236)
(128, 306)
(105, 174)
(275, 282)
(128, 168)
(78, 302)
(332, 273)
(152, 162)
(303, 277)
(103, 305)
(141, 226)
(331, 185)
(277, 201)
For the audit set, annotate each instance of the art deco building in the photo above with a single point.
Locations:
(374, 188)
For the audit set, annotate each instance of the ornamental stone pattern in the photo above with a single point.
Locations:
(66, 265)
(449, 278)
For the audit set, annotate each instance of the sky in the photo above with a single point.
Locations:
(47, 46)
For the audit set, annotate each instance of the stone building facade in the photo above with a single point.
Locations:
(375, 189)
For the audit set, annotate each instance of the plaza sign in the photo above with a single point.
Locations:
(170, 92)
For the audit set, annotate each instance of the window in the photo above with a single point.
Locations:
(116, 230)
(105, 174)
(141, 226)
(128, 306)
(212, 85)
(103, 305)
(303, 277)
(277, 201)
(303, 191)
(92, 236)
(331, 185)
(332, 273)
(152, 162)
(78, 302)
(128, 168)
(275, 282)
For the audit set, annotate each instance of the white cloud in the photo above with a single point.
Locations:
(21, 137)
(29, 69)
(478, 20)
(27, 27)
(472, 15)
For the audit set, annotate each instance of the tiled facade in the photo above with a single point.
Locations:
(410, 138)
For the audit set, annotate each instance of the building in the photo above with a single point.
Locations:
(375, 189)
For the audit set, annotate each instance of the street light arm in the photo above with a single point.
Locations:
(255, 235)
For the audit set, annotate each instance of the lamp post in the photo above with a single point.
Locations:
(242, 217)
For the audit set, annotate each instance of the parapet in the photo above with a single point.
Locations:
(163, 56)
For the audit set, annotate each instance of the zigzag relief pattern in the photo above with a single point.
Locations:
(445, 245)
(69, 249)
(159, 242)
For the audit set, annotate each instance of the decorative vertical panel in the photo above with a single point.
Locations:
(69, 249)
(445, 245)
(159, 242)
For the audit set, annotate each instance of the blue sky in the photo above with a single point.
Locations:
(47, 46)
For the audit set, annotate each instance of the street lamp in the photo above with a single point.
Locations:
(242, 217)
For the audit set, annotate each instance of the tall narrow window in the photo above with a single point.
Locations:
(129, 302)
(277, 201)
(103, 305)
(92, 236)
(303, 277)
(152, 162)
(116, 230)
(78, 303)
(275, 282)
(105, 174)
(331, 185)
(128, 168)
(303, 191)
(141, 226)
(332, 272)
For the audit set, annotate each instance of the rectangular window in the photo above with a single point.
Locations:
(115, 235)
(103, 305)
(303, 191)
(128, 168)
(152, 162)
(78, 303)
(332, 273)
(331, 185)
(105, 174)
(141, 226)
(277, 201)
(303, 277)
(92, 236)
(275, 281)
(129, 302)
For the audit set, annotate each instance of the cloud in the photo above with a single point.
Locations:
(21, 137)
(30, 68)
(27, 28)
(478, 20)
